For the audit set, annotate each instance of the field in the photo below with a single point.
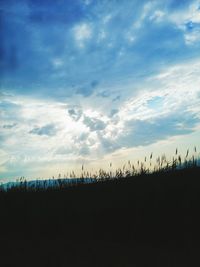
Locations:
(146, 219)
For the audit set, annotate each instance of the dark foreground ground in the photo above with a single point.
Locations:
(150, 220)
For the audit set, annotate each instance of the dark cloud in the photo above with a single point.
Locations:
(113, 112)
(9, 126)
(104, 94)
(75, 112)
(94, 124)
(117, 98)
(88, 89)
(108, 145)
(84, 91)
(48, 130)
(141, 133)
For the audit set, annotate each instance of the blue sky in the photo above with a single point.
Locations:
(96, 81)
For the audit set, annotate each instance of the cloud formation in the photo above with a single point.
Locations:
(94, 124)
(48, 130)
(75, 112)
(80, 80)
(55, 48)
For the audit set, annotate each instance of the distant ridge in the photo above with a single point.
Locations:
(46, 183)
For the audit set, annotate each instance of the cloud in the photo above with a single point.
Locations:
(83, 151)
(10, 111)
(108, 145)
(157, 16)
(187, 19)
(48, 35)
(96, 76)
(8, 105)
(113, 112)
(117, 98)
(64, 150)
(75, 112)
(192, 36)
(158, 112)
(82, 33)
(143, 132)
(88, 89)
(94, 124)
(147, 132)
(81, 138)
(9, 126)
(79, 146)
(104, 94)
(48, 130)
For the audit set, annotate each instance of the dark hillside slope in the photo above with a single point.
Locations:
(148, 220)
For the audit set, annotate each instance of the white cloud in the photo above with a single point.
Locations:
(145, 12)
(82, 33)
(188, 17)
(190, 13)
(177, 87)
(88, 131)
(193, 37)
(157, 16)
(169, 106)
(57, 63)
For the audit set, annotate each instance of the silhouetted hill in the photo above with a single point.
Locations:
(146, 220)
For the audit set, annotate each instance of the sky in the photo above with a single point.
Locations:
(92, 82)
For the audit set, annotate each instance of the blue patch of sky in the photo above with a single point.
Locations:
(155, 103)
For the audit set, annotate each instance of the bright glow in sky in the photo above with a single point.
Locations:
(96, 81)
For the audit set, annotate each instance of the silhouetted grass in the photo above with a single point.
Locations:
(161, 164)
(142, 215)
